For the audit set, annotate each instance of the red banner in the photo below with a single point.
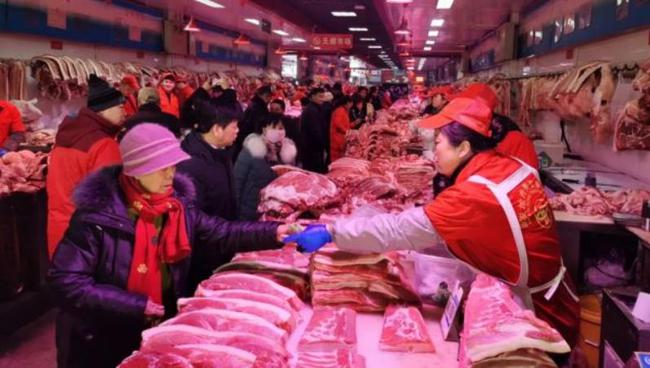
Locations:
(332, 41)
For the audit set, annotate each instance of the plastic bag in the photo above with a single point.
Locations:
(435, 276)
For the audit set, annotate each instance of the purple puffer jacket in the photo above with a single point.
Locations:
(100, 321)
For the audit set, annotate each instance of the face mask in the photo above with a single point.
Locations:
(275, 135)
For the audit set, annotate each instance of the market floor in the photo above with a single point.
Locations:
(32, 346)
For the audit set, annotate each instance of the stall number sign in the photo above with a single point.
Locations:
(332, 41)
(644, 359)
(449, 322)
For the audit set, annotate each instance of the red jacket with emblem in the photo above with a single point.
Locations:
(169, 102)
(84, 144)
(517, 144)
(471, 221)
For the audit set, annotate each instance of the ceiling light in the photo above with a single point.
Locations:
(280, 51)
(191, 26)
(298, 39)
(437, 22)
(344, 14)
(252, 21)
(358, 29)
(280, 32)
(316, 47)
(304, 57)
(434, 33)
(359, 7)
(411, 68)
(430, 42)
(210, 3)
(403, 28)
(404, 54)
(403, 42)
(374, 47)
(445, 4)
(399, 1)
(367, 39)
(427, 48)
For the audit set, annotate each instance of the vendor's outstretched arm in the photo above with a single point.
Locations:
(410, 230)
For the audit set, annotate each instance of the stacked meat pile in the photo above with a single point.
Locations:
(243, 321)
(22, 171)
(362, 282)
(297, 193)
(588, 201)
(633, 124)
(497, 329)
(330, 340)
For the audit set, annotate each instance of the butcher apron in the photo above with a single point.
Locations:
(520, 289)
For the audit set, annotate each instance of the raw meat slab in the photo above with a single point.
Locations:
(330, 328)
(404, 330)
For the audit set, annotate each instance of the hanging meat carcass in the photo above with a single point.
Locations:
(633, 123)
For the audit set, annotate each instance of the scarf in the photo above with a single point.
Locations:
(272, 152)
(151, 247)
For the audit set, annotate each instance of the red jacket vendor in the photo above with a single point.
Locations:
(12, 130)
(495, 217)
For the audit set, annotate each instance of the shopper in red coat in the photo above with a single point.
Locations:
(129, 87)
(168, 99)
(183, 90)
(339, 127)
(12, 130)
(495, 217)
(84, 143)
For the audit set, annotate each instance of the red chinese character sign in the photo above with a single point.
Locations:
(331, 41)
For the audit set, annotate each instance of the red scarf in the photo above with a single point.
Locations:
(150, 250)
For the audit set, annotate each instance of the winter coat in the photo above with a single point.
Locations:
(188, 109)
(130, 105)
(253, 117)
(338, 129)
(211, 171)
(169, 102)
(151, 113)
(10, 122)
(84, 144)
(314, 138)
(184, 94)
(100, 322)
(253, 172)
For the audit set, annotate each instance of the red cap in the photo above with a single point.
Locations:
(470, 112)
(445, 91)
(131, 81)
(482, 91)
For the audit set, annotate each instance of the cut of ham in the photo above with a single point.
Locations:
(225, 320)
(245, 294)
(276, 315)
(404, 330)
(236, 280)
(330, 328)
(165, 339)
(330, 358)
(496, 324)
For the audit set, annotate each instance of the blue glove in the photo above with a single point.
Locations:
(311, 239)
(3, 152)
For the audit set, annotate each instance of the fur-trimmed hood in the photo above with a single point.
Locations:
(256, 145)
(101, 191)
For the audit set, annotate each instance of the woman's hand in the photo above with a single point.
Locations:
(154, 309)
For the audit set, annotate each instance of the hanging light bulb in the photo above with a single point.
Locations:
(403, 28)
(280, 51)
(191, 26)
(403, 42)
(404, 54)
(304, 57)
(242, 40)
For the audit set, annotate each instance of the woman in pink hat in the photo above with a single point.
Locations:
(125, 257)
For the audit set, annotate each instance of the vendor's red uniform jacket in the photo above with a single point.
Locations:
(338, 128)
(83, 144)
(10, 121)
(517, 144)
(184, 94)
(130, 106)
(169, 102)
(486, 242)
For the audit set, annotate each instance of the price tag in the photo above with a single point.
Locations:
(449, 322)
(644, 359)
(56, 18)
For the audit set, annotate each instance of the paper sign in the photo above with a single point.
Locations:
(135, 34)
(56, 18)
(449, 321)
(332, 41)
(644, 359)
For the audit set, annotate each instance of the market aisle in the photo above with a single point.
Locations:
(32, 346)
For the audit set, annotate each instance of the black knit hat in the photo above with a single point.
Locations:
(101, 95)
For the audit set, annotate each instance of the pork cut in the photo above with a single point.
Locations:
(163, 339)
(590, 201)
(287, 258)
(633, 124)
(236, 280)
(276, 315)
(246, 294)
(404, 330)
(330, 328)
(226, 320)
(496, 324)
(192, 356)
(330, 358)
(155, 360)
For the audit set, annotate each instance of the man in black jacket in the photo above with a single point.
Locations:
(211, 169)
(254, 115)
(205, 93)
(149, 112)
(314, 135)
